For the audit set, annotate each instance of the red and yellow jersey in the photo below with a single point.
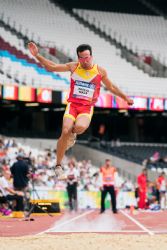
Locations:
(85, 85)
(108, 175)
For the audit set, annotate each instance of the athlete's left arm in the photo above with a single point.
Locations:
(113, 88)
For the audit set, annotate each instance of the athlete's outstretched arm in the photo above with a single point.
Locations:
(49, 65)
(113, 88)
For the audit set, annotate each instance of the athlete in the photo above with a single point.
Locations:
(86, 78)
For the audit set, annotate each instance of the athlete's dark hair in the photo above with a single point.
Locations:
(84, 47)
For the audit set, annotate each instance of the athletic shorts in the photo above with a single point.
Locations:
(75, 110)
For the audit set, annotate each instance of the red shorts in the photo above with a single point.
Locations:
(74, 110)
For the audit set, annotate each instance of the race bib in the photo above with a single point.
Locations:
(83, 90)
(108, 179)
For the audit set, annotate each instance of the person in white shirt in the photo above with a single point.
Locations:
(8, 193)
(162, 188)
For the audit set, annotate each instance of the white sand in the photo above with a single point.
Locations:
(85, 242)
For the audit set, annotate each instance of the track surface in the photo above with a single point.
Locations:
(88, 221)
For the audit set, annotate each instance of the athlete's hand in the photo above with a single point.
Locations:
(129, 101)
(33, 48)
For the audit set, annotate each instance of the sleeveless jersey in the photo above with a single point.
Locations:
(108, 175)
(85, 85)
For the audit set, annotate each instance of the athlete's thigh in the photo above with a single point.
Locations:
(84, 117)
(68, 123)
(82, 121)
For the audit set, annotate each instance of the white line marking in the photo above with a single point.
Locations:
(70, 220)
(137, 223)
(65, 222)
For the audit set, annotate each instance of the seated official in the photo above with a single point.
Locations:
(9, 194)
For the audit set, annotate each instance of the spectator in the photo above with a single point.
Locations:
(162, 185)
(151, 193)
(101, 131)
(155, 157)
(165, 159)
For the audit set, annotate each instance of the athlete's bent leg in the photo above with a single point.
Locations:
(68, 125)
(81, 124)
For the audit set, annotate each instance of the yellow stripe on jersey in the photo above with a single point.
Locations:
(82, 74)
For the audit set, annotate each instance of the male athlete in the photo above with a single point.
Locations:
(86, 78)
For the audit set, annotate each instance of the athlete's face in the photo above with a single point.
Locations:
(85, 59)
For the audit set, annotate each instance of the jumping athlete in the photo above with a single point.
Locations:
(86, 78)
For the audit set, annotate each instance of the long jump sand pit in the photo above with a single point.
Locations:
(85, 241)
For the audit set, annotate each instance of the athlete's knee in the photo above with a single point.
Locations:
(79, 128)
(66, 131)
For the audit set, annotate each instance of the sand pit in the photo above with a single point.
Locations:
(85, 242)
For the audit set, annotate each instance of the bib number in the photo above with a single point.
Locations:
(84, 90)
(108, 179)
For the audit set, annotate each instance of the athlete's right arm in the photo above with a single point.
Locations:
(49, 65)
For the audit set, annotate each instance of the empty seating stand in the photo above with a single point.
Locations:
(48, 24)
